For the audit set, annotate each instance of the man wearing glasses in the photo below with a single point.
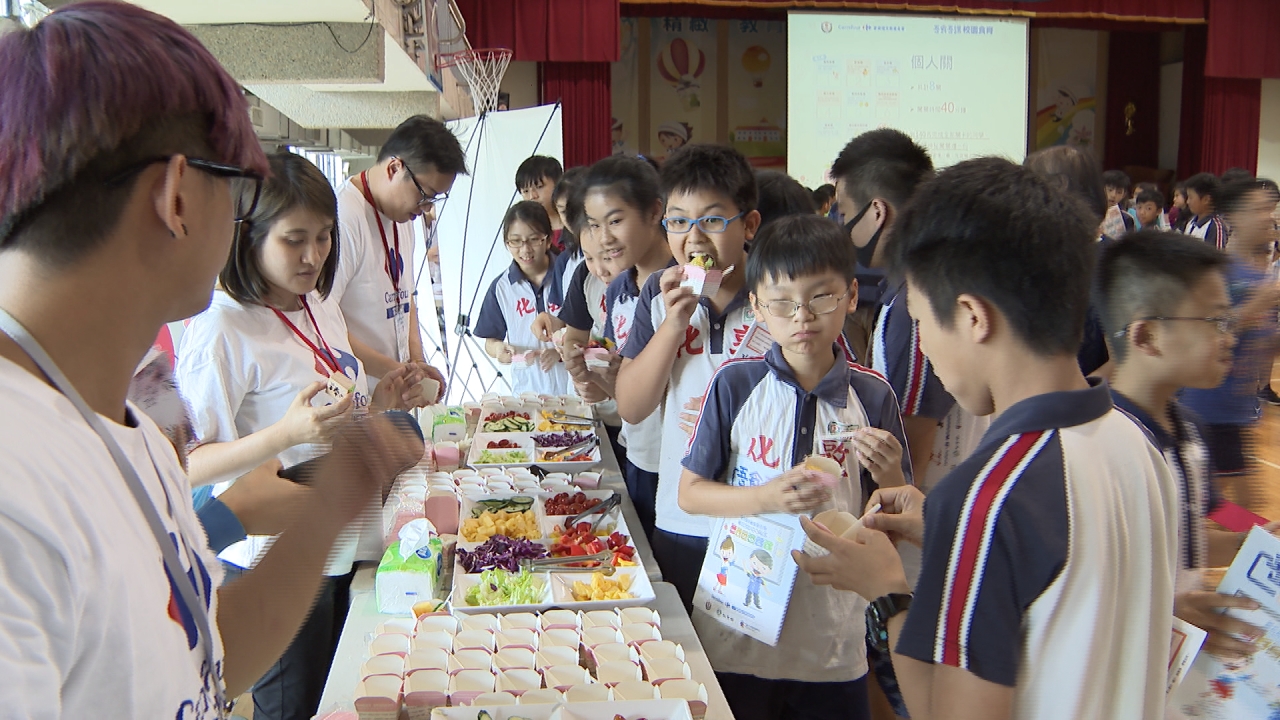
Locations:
(375, 284)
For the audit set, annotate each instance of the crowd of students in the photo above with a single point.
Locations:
(1066, 516)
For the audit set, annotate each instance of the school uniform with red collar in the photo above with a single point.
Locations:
(508, 312)
(1049, 562)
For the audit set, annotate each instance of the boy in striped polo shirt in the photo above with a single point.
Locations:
(1169, 318)
(1049, 554)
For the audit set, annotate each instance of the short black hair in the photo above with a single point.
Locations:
(535, 168)
(530, 213)
(1271, 187)
(1074, 170)
(568, 180)
(1180, 187)
(1235, 174)
(575, 212)
(423, 141)
(1116, 179)
(884, 163)
(1149, 273)
(294, 183)
(1000, 231)
(711, 168)
(1232, 196)
(821, 194)
(781, 195)
(1205, 185)
(1153, 196)
(628, 178)
(799, 245)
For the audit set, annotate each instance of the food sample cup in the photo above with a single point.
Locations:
(586, 693)
(634, 690)
(513, 658)
(424, 691)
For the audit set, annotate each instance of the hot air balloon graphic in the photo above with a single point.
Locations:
(681, 64)
(756, 61)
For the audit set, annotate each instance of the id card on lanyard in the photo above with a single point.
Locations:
(337, 385)
(397, 306)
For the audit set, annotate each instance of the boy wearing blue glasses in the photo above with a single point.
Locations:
(801, 277)
(678, 339)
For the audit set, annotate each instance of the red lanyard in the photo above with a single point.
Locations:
(393, 262)
(326, 356)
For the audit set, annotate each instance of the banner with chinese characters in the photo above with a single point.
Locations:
(1218, 688)
(682, 83)
(757, 90)
(626, 98)
(1066, 77)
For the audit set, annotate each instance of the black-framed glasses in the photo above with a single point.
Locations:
(1225, 324)
(246, 185)
(820, 305)
(533, 242)
(712, 224)
(427, 199)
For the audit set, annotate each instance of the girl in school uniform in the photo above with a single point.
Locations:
(516, 297)
(268, 372)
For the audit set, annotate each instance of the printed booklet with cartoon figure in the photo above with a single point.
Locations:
(1218, 688)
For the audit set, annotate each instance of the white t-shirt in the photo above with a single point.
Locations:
(239, 368)
(362, 286)
(90, 626)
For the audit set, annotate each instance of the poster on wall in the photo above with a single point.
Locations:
(682, 76)
(626, 96)
(1066, 78)
(757, 87)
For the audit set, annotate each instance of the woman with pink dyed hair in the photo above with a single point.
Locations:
(128, 158)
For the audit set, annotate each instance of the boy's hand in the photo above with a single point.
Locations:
(689, 414)
(901, 514)
(547, 358)
(505, 353)
(879, 452)
(679, 301)
(795, 491)
(1201, 608)
(867, 564)
(424, 371)
(545, 325)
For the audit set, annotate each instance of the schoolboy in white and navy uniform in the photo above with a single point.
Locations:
(754, 398)
(896, 353)
(507, 312)
(1188, 457)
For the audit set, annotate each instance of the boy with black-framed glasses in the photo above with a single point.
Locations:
(800, 275)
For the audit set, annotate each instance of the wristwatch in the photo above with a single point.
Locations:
(887, 606)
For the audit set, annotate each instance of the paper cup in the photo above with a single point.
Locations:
(601, 618)
(389, 645)
(586, 693)
(480, 622)
(495, 699)
(519, 681)
(378, 698)
(555, 655)
(474, 640)
(634, 690)
(519, 621)
(614, 672)
(545, 696)
(424, 691)
(563, 677)
(640, 615)
(827, 470)
(614, 652)
(427, 659)
(518, 638)
(838, 522)
(513, 659)
(382, 665)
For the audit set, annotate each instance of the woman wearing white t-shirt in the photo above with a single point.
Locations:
(268, 372)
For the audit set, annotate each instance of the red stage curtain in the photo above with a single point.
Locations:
(1191, 119)
(1232, 109)
(1129, 10)
(1242, 39)
(1133, 76)
(584, 92)
(545, 30)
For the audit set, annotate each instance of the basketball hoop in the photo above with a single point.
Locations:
(482, 70)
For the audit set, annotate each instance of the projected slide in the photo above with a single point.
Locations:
(956, 85)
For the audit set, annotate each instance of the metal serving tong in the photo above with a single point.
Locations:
(565, 564)
(604, 507)
(585, 446)
(564, 418)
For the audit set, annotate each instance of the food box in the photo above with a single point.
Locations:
(514, 658)
(551, 655)
(588, 693)
(563, 677)
(690, 691)
(634, 690)
(496, 699)
(499, 712)
(383, 665)
(629, 710)
(703, 282)
(501, 449)
(424, 691)
(545, 696)
(378, 697)
(518, 681)
(467, 685)
(615, 671)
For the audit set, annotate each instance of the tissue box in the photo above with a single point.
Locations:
(410, 576)
(448, 424)
(703, 283)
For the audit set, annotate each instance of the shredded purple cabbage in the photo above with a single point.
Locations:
(502, 552)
